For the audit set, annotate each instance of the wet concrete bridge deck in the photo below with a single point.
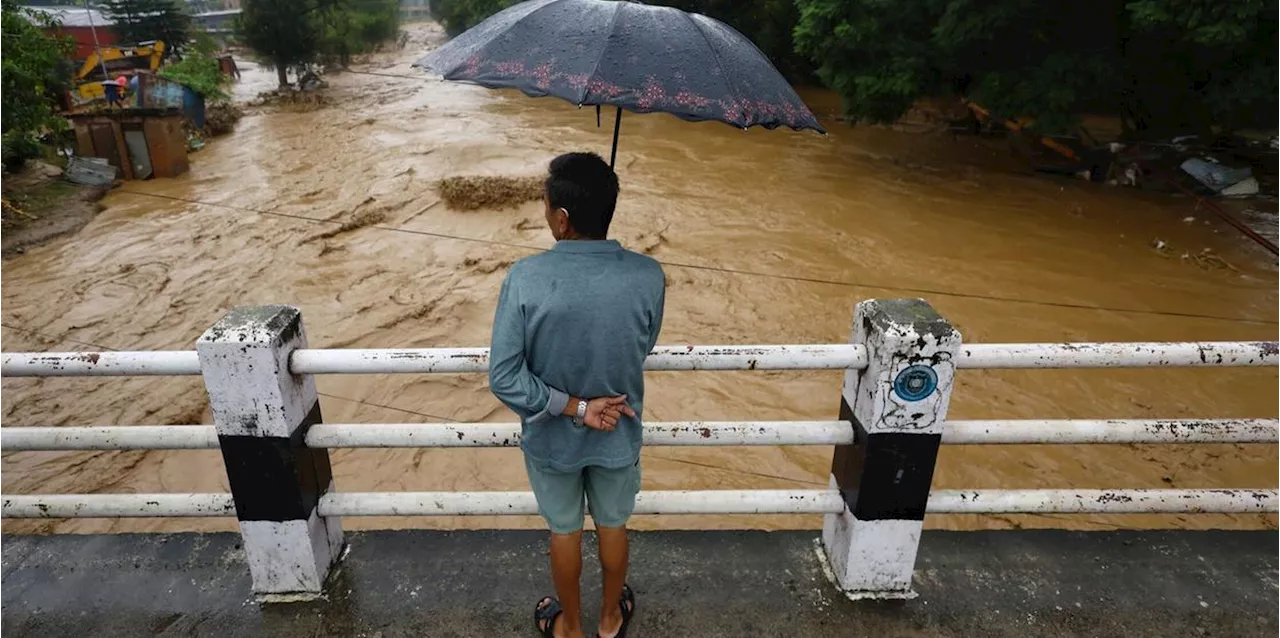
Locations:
(429, 583)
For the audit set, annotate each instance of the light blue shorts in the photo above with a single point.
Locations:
(610, 494)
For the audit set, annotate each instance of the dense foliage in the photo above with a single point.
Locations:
(1166, 66)
(349, 27)
(284, 33)
(201, 72)
(145, 20)
(459, 15)
(293, 34)
(33, 72)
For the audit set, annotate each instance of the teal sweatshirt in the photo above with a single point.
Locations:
(576, 320)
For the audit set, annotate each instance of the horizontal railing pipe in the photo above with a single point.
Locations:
(100, 364)
(514, 503)
(117, 505)
(119, 437)
(1234, 501)
(1117, 355)
(417, 504)
(425, 360)
(1102, 501)
(691, 433)
(419, 435)
(1081, 431)
(657, 433)
(784, 357)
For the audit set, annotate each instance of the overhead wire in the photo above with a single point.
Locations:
(796, 278)
(751, 273)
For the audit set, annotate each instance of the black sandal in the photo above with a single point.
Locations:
(628, 596)
(548, 613)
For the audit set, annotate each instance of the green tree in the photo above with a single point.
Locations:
(285, 33)
(1167, 66)
(1223, 53)
(459, 15)
(32, 70)
(144, 20)
(349, 28)
(201, 71)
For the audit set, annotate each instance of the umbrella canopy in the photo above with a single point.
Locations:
(633, 56)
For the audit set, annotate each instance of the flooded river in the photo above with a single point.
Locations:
(767, 236)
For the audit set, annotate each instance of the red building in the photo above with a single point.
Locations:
(81, 25)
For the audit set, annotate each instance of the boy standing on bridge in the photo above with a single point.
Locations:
(570, 336)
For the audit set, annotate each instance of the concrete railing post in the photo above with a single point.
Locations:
(262, 412)
(897, 405)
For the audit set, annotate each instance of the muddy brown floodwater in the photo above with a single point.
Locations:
(767, 236)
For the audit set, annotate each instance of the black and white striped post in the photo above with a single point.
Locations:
(262, 412)
(897, 405)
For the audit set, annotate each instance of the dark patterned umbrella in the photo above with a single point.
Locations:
(637, 57)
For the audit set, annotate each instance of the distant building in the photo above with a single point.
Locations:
(80, 24)
(414, 10)
(220, 22)
(196, 7)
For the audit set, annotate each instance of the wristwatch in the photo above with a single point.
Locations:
(581, 416)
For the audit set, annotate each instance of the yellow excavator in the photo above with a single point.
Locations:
(114, 58)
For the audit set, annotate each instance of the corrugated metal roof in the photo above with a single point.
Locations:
(76, 16)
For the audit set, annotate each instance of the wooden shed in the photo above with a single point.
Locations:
(142, 143)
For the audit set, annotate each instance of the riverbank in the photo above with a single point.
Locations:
(39, 207)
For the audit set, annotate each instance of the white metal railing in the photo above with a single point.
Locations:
(787, 357)
(1080, 431)
(657, 433)
(394, 435)
(857, 358)
(809, 357)
(657, 502)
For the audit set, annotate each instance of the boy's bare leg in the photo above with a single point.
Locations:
(566, 572)
(613, 566)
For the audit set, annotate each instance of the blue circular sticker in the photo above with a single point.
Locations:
(915, 383)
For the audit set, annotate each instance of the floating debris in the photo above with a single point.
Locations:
(291, 100)
(476, 192)
(90, 171)
(358, 221)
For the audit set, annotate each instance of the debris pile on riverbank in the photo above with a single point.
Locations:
(39, 206)
(221, 118)
(476, 192)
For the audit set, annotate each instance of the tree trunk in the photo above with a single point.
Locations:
(282, 73)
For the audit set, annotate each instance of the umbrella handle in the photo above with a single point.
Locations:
(617, 123)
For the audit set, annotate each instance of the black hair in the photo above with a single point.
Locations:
(584, 185)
